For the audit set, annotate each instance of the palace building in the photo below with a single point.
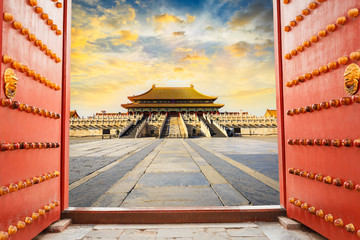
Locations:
(172, 100)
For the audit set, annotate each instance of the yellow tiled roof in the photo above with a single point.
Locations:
(171, 105)
(74, 114)
(271, 113)
(172, 93)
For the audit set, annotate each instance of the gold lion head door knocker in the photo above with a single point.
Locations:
(10, 83)
(351, 77)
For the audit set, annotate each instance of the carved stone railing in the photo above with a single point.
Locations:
(140, 129)
(184, 126)
(221, 128)
(205, 129)
(162, 125)
(125, 128)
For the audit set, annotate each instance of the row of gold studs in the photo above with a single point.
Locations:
(6, 102)
(323, 33)
(299, 18)
(13, 187)
(325, 142)
(320, 213)
(324, 69)
(288, 1)
(48, 21)
(8, 17)
(31, 73)
(12, 230)
(10, 146)
(345, 101)
(327, 179)
(34, 3)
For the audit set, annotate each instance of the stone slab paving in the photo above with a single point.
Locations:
(83, 160)
(257, 192)
(172, 196)
(115, 196)
(161, 179)
(228, 231)
(86, 194)
(257, 154)
(172, 181)
(114, 172)
(142, 172)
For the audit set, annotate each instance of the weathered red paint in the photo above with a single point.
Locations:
(340, 123)
(66, 106)
(279, 102)
(17, 126)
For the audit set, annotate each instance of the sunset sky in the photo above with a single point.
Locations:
(122, 47)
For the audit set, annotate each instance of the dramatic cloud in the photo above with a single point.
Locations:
(165, 19)
(239, 49)
(123, 47)
(178, 69)
(194, 57)
(256, 10)
(209, 28)
(252, 92)
(117, 16)
(126, 38)
(179, 34)
(183, 50)
(268, 44)
(190, 19)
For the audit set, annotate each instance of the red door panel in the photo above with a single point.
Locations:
(333, 123)
(38, 126)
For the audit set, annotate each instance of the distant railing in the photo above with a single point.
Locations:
(140, 128)
(184, 126)
(220, 127)
(138, 118)
(125, 129)
(162, 125)
(204, 128)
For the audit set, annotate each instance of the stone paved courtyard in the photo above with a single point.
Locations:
(209, 231)
(149, 172)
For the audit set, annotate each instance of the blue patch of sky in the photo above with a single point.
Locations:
(154, 47)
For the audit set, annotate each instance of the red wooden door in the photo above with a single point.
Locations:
(33, 111)
(316, 45)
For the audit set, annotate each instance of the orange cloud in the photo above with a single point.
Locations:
(190, 19)
(163, 19)
(126, 37)
(194, 57)
(268, 44)
(167, 18)
(178, 69)
(209, 28)
(183, 50)
(239, 49)
(251, 92)
(179, 34)
(262, 53)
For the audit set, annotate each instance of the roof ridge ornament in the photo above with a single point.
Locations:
(153, 86)
(192, 85)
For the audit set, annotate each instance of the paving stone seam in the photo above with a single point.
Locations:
(192, 150)
(187, 147)
(86, 153)
(112, 146)
(101, 149)
(86, 194)
(156, 150)
(262, 178)
(105, 168)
